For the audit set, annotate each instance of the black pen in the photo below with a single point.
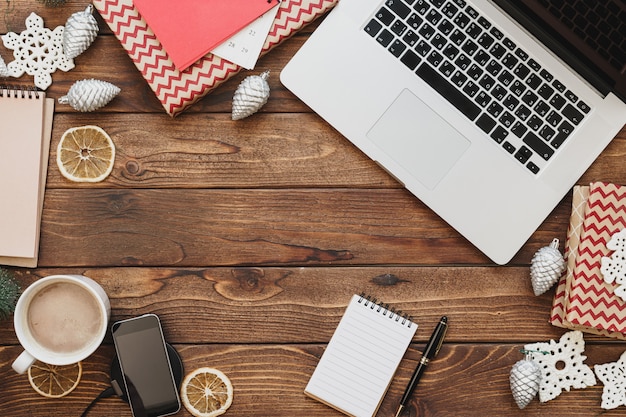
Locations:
(431, 350)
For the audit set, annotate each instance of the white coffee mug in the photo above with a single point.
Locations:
(60, 320)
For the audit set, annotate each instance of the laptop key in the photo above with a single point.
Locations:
(547, 133)
(557, 101)
(572, 114)
(508, 147)
(533, 167)
(485, 122)
(523, 154)
(396, 48)
(435, 58)
(410, 59)
(499, 134)
(421, 6)
(495, 109)
(398, 8)
(410, 38)
(462, 20)
(448, 91)
(583, 106)
(422, 47)
(447, 69)
(434, 17)
(415, 21)
(538, 145)
(398, 27)
(385, 38)
(373, 27)
(385, 16)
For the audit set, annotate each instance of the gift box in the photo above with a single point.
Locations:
(176, 90)
(583, 299)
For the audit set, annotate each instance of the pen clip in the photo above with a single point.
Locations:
(441, 338)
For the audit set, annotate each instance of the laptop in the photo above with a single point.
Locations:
(487, 111)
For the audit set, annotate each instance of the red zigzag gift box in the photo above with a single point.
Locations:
(176, 90)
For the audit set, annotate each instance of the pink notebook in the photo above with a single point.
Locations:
(26, 119)
(189, 29)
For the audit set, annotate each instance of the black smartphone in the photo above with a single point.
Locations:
(145, 366)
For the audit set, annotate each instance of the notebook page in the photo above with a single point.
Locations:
(21, 119)
(43, 173)
(361, 358)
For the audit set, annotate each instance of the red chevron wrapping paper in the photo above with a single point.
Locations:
(580, 196)
(176, 90)
(590, 301)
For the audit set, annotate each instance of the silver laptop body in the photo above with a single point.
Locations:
(495, 198)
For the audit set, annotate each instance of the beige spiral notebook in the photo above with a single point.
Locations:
(26, 120)
(361, 358)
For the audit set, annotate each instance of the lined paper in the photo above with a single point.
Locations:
(361, 358)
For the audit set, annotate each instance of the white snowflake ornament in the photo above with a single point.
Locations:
(562, 368)
(613, 268)
(613, 376)
(38, 51)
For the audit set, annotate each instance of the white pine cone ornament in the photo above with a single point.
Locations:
(250, 95)
(89, 95)
(546, 267)
(4, 71)
(81, 28)
(525, 378)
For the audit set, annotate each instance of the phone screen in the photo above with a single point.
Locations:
(142, 354)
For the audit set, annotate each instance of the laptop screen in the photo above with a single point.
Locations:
(590, 35)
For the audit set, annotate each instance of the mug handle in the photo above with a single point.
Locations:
(23, 362)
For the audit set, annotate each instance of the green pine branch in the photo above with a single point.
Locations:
(9, 293)
(53, 3)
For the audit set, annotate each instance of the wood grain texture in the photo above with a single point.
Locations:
(269, 380)
(248, 238)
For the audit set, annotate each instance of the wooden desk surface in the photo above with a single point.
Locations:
(248, 238)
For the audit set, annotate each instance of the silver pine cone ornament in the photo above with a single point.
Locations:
(4, 71)
(525, 378)
(250, 95)
(89, 95)
(81, 28)
(546, 267)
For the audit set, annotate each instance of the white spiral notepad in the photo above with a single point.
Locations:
(361, 358)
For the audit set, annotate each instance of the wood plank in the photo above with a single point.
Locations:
(263, 151)
(269, 380)
(85, 227)
(304, 305)
(212, 151)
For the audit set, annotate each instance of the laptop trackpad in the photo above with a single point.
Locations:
(418, 139)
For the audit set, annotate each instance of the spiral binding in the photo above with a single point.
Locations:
(19, 92)
(379, 306)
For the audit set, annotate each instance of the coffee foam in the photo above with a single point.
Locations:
(64, 318)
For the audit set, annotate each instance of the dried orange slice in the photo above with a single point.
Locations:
(85, 154)
(54, 381)
(206, 392)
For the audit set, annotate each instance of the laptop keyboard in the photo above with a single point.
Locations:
(483, 73)
(601, 24)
